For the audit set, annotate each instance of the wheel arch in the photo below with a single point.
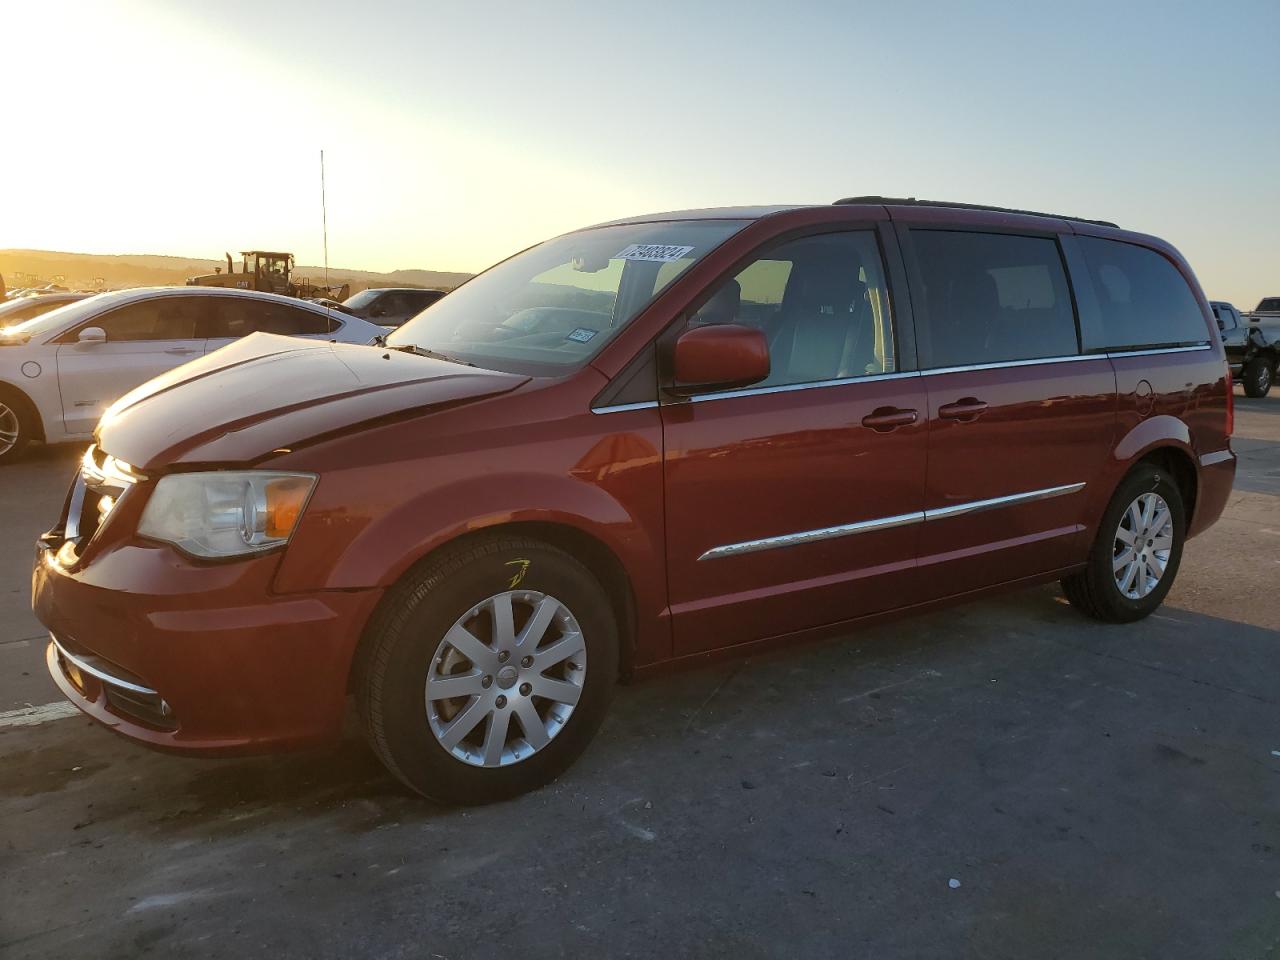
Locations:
(21, 397)
(597, 556)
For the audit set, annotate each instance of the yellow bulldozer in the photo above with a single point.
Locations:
(271, 272)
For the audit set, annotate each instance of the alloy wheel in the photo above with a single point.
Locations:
(506, 678)
(1142, 546)
(9, 428)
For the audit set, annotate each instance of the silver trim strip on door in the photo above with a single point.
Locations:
(1001, 364)
(623, 407)
(886, 523)
(792, 387)
(1157, 350)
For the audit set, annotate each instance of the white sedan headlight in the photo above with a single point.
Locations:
(226, 513)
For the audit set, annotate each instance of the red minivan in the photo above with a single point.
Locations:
(636, 443)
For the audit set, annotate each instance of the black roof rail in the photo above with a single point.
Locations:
(913, 202)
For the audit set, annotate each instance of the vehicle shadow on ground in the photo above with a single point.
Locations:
(671, 726)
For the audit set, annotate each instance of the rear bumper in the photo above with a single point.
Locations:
(198, 658)
(1217, 474)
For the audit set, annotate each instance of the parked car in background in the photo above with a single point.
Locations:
(21, 309)
(1252, 343)
(61, 370)
(391, 306)
(638, 442)
(1268, 308)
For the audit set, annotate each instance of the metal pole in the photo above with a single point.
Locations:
(324, 219)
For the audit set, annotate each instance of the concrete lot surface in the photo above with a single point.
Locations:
(1004, 779)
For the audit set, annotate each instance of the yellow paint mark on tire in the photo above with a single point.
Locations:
(519, 575)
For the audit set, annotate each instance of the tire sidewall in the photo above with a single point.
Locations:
(24, 427)
(1146, 479)
(418, 630)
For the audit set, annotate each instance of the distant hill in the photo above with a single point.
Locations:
(90, 271)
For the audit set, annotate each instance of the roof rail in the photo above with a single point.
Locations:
(913, 202)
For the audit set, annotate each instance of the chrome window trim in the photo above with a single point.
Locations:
(623, 407)
(101, 674)
(1218, 456)
(1158, 350)
(812, 385)
(1000, 364)
(886, 523)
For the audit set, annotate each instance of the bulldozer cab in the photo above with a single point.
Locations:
(270, 270)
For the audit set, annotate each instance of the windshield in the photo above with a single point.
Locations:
(557, 304)
(361, 299)
(56, 320)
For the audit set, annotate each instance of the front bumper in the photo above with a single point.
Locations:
(198, 658)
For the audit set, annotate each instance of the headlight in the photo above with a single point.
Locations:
(227, 513)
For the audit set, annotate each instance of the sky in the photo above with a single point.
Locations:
(457, 133)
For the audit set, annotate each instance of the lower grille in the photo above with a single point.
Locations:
(125, 693)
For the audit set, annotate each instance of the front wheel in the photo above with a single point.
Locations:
(1136, 553)
(487, 673)
(1258, 375)
(15, 428)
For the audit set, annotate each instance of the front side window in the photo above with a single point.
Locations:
(1145, 302)
(822, 303)
(992, 298)
(555, 305)
(161, 318)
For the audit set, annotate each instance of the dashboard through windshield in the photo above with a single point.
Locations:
(555, 305)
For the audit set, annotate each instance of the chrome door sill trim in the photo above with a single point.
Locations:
(887, 523)
(101, 674)
(1219, 456)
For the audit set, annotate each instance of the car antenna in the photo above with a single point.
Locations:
(324, 221)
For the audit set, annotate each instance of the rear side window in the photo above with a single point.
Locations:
(992, 297)
(238, 317)
(1145, 302)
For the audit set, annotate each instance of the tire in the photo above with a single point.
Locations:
(1259, 373)
(1096, 590)
(16, 427)
(405, 649)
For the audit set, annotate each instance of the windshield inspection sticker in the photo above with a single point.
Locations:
(581, 335)
(654, 252)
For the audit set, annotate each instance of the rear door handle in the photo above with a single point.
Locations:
(884, 419)
(964, 409)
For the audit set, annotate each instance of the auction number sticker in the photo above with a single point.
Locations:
(654, 252)
(581, 335)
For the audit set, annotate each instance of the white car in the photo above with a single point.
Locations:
(60, 371)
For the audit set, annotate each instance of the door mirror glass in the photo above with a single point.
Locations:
(92, 335)
(720, 356)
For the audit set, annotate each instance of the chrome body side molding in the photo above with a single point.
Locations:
(886, 523)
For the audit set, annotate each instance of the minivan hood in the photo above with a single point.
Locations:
(266, 392)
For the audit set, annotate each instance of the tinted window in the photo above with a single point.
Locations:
(1144, 300)
(991, 297)
(1226, 315)
(161, 318)
(1269, 304)
(237, 317)
(822, 304)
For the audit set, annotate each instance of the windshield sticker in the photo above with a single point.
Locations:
(581, 335)
(654, 252)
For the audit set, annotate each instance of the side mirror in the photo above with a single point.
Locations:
(92, 335)
(720, 356)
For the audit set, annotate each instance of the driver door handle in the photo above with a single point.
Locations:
(964, 409)
(884, 419)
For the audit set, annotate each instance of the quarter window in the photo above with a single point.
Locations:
(822, 303)
(1144, 300)
(991, 297)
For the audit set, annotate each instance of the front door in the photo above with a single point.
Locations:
(144, 339)
(1020, 422)
(796, 502)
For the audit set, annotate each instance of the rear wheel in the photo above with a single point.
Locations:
(1136, 554)
(1258, 376)
(486, 674)
(15, 427)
